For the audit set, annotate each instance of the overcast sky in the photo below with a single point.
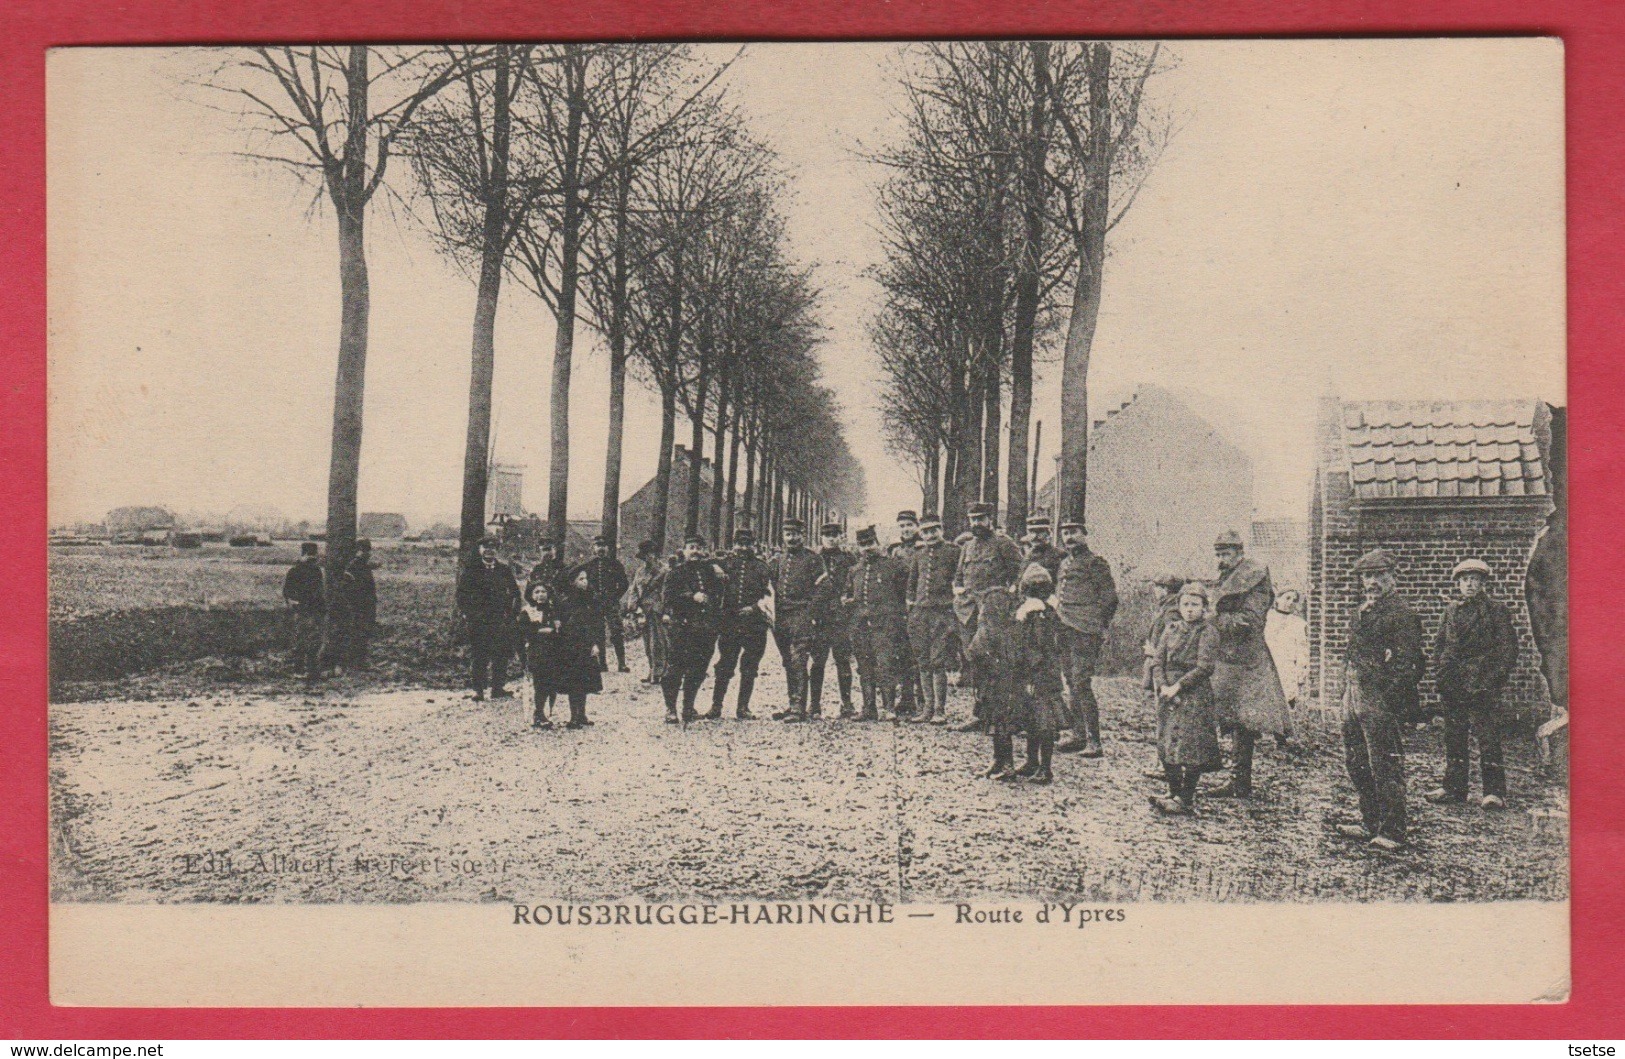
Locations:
(1385, 217)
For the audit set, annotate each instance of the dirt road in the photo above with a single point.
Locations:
(424, 795)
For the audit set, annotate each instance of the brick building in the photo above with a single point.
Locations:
(1433, 483)
(637, 511)
(1164, 480)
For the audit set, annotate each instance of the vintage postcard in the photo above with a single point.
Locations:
(985, 522)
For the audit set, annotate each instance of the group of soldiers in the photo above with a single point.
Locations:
(332, 624)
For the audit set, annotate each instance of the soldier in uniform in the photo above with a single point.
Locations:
(1382, 667)
(1086, 600)
(647, 586)
(1247, 692)
(1039, 548)
(989, 562)
(796, 571)
(488, 597)
(932, 629)
(549, 569)
(1473, 655)
(903, 549)
(355, 609)
(742, 635)
(878, 590)
(693, 600)
(606, 580)
(305, 590)
(832, 623)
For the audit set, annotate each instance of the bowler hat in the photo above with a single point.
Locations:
(1472, 566)
(1375, 561)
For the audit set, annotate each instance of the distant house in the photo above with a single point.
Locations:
(1282, 544)
(1164, 481)
(1433, 483)
(375, 525)
(638, 510)
(123, 521)
(505, 493)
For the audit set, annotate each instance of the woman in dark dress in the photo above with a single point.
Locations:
(578, 673)
(1182, 673)
(1041, 711)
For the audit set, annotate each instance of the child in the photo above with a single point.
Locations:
(581, 622)
(539, 646)
(1037, 659)
(992, 650)
(1287, 637)
(1182, 671)
(1165, 609)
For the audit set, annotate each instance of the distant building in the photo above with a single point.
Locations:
(505, 493)
(139, 520)
(1163, 483)
(1282, 544)
(636, 522)
(1433, 483)
(376, 525)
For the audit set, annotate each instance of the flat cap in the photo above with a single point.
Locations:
(1472, 566)
(1375, 561)
(1228, 539)
(1194, 588)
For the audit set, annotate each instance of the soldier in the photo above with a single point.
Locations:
(903, 549)
(355, 609)
(1247, 693)
(549, 569)
(988, 562)
(795, 581)
(879, 590)
(646, 590)
(693, 598)
(832, 623)
(1086, 600)
(305, 590)
(932, 629)
(1382, 667)
(488, 597)
(1040, 550)
(1474, 653)
(742, 636)
(606, 580)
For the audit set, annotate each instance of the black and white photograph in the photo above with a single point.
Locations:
(894, 488)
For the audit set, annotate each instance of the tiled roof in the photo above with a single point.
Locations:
(1279, 533)
(1433, 449)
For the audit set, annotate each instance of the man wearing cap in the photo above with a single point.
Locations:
(903, 550)
(796, 571)
(932, 630)
(488, 597)
(606, 580)
(1474, 653)
(742, 624)
(692, 605)
(879, 587)
(988, 562)
(832, 622)
(1247, 694)
(1085, 601)
(1039, 548)
(305, 590)
(1381, 668)
(549, 569)
(647, 587)
(355, 609)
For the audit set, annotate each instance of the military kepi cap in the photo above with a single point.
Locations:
(1472, 566)
(907, 516)
(930, 522)
(1375, 561)
(795, 524)
(981, 507)
(1228, 539)
(744, 536)
(601, 539)
(867, 535)
(1072, 524)
(693, 538)
(831, 529)
(1038, 522)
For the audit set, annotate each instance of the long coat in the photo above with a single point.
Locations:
(1384, 656)
(1287, 636)
(1475, 649)
(1246, 688)
(558, 638)
(993, 651)
(1187, 732)
(1041, 707)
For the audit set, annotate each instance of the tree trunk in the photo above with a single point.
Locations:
(750, 519)
(1080, 329)
(611, 524)
(970, 450)
(558, 481)
(928, 491)
(733, 471)
(1034, 192)
(477, 452)
(668, 438)
(991, 439)
(702, 386)
(714, 522)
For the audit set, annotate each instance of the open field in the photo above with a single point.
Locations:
(423, 795)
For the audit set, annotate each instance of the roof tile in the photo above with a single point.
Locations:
(1442, 448)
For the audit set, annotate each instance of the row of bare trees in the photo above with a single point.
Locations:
(1016, 160)
(617, 183)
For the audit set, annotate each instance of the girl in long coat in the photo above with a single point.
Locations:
(1182, 672)
(1038, 661)
(992, 650)
(568, 661)
(538, 637)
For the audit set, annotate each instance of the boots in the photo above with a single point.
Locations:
(1043, 777)
(928, 703)
(719, 691)
(813, 709)
(669, 688)
(1030, 766)
(1004, 754)
(843, 679)
(691, 692)
(868, 713)
(939, 698)
(742, 710)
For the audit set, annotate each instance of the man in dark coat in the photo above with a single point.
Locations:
(692, 604)
(832, 622)
(1039, 548)
(796, 571)
(933, 631)
(1382, 667)
(355, 609)
(647, 589)
(1247, 695)
(305, 590)
(549, 569)
(742, 628)
(988, 562)
(878, 590)
(1473, 656)
(903, 549)
(1085, 602)
(488, 597)
(606, 580)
